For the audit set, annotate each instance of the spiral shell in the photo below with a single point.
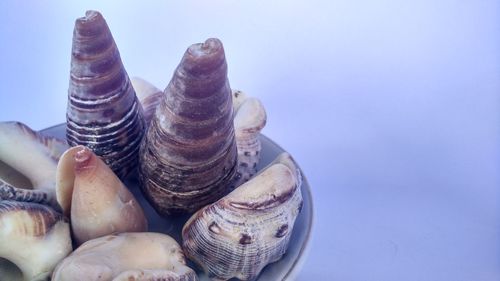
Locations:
(33, 239)
(28, 162)
(103, 111)
(127, 256)
(188, 157)
(94, 197)
(241, 233)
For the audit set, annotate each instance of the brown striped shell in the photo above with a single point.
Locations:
(28, 162)
(241, 233)
(33, 239)
(127, 256)
(95, 199)
(103, 111)
(188, 157)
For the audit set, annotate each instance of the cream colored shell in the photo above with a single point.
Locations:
(126, 256)
(33, 239)
(95, 199)
(249, 228)
(28, 162)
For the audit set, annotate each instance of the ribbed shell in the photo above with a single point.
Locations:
(103, 111)
(249, 228)
(33, 237)
(188, 157)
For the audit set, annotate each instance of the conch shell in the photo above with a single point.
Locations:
(126, 256)
(249, 228)
(188, 157)
(94, 197)
(103, 112)
(25, 153)
(33, 239)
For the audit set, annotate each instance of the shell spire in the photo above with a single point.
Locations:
(103, 111)
(189, 157)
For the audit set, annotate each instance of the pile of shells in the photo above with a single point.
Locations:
(194, 148)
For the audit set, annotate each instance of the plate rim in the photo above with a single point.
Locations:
(304, 249)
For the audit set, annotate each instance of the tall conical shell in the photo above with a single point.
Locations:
(188, 157)
(33, 239)
(103, 111)
(241, 233)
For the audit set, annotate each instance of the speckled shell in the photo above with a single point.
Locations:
(127, 256)
(33, 237)
(95, 199)
(241, 233)
(28, 162)
(250, 118)
(188, 157)
(103, 111)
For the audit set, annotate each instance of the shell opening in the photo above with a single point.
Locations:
(14, 177)
(10, 271)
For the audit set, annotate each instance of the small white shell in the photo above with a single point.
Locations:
(250, 118)
(249, 228)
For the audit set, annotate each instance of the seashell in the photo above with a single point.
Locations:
(33, 239)
(126, 256)
(188, 157)
(250, 118)
(149, 96)
(241, 233)
(103, 111)
(94, 197)
(28, 162)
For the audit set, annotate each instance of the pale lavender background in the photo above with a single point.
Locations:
(391, 108)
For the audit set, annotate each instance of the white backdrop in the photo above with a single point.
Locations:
(390, 107)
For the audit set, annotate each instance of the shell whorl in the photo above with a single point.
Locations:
(103, 112)
(188, 157)
(33, 237)
(249, 228)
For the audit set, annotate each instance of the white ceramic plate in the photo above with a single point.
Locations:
(284, 269)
